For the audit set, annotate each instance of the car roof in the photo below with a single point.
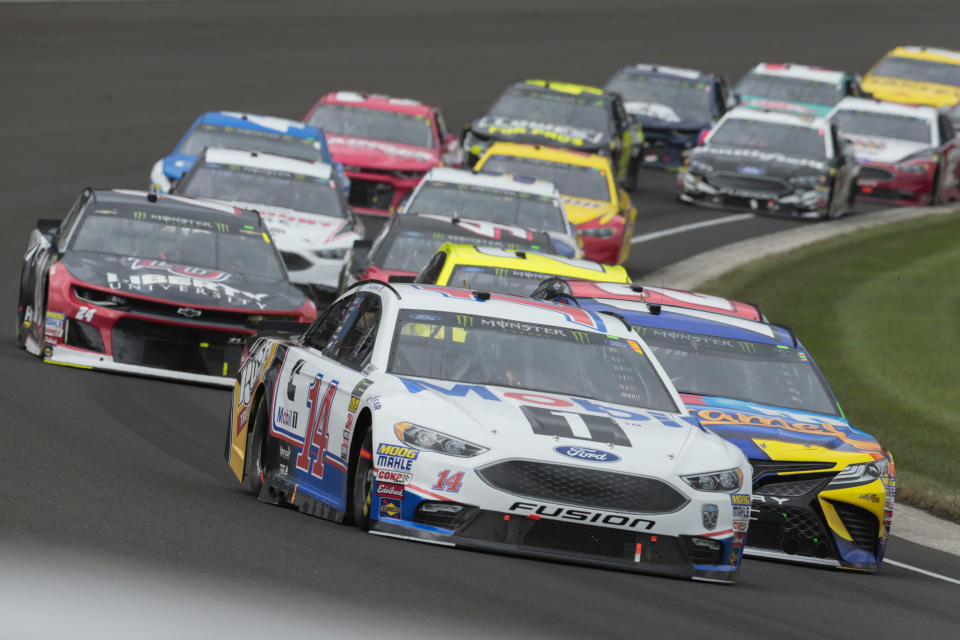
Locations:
(882, 106)
(654, 295)
(800, 71)
(536, 261)
(948, 56)
(747, 113)
(498, 305)
(663, 70)
(174, 205)
(501, 181)
(267, 161)
(256, 122)
(465, 226)
(377, 101)
(550, 154)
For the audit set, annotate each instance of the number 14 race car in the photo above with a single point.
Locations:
(435, 414)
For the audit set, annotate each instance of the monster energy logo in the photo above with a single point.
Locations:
(499, 271)
(223, 226)
(581, 336)
(437, 235)
(139, 215)
(746, 346)
(465, 321)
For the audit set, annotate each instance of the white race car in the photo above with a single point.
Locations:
(489, 421)
(299, 201)
(521, 202)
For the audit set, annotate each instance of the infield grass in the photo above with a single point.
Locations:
(879, 311)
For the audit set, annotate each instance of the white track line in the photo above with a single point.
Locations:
(919, 570)
(690, 227)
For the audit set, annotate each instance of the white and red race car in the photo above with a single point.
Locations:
(489, 421)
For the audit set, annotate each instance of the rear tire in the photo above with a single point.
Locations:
(361, 503)
(257, 441)
(632, 179)
(935, 197)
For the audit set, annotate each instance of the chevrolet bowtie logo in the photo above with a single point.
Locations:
(187, 312)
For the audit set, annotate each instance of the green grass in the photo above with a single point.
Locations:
(879, 310)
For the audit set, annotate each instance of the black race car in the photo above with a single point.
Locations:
(407, 242)
(674, 106)
(561, 114)
(152, 285)
(772, 163)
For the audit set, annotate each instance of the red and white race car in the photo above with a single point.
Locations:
(385, 144)
(910, 155)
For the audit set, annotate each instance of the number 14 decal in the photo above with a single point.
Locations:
(448, 482)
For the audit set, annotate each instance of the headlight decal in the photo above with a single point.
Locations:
(430, 440)
(721, 481)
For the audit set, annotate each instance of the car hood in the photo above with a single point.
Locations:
(655, 115)
(557, 135)
(911, 92)
(754, 162)
(292, 229)
(774, 433)
(509, 420)
(181, 284)
(177, 164)
(889, 150)
(380, 154)
(581, 210)
(787, 106)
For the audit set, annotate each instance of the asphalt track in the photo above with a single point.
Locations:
(129, 472)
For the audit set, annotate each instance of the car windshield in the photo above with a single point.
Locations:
(411, 250)
(499, 279)
(759, 372)
(679, 93)
(571, 180)
(776, 137)
(586, 111)
(234, 246)
(884, 125)
(493, 205)
(209, 135)
(470, 349)
(918, 70)
(236, 183)
(789, 89)
(373, 124)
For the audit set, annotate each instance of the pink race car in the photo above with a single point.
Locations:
(385, 144)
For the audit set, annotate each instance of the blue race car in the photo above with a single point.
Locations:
(673, 105)
(247, 132)
(823, 491)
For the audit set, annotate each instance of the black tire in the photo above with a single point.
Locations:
(361, 501)
(631, 180)
(935, 198)
(257, 441)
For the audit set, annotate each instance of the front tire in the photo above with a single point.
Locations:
(257, 450)
(362, 498)
(631, 180)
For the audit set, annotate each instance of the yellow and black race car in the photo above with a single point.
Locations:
(561, 114)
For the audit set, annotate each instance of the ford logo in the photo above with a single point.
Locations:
(752, 171)
(588, 454)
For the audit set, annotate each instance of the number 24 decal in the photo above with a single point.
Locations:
(85, 314)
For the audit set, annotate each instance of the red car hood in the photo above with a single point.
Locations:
(380, 154)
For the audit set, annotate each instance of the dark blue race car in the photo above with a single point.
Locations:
(247, 132)
(673, 105)
(823, 491)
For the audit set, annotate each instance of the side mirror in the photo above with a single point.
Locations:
(703, 136)
(733, 100)
(48, 226)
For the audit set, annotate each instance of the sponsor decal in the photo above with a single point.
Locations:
(710, 513)
(354, 404)
(396, 458)
(870, 497)
(448, 481)
(617, 520)
(178, 270)
(361, 387)
(717, 417)
(53, 324)
(396, 477)
(588, 454)
(653, 110)
(559, 133)
(155, 282)
(752, 171)
(375, 402)
(386, 490)
(755, 154)
(740, 525)
(390, 507)
(383, 147)
(287, 418)
(347, 432)
(741, 503)
(48, 352)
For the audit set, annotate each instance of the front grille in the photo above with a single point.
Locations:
(738, 182)
(580, 538)
(789, 488)
(565, 484)
(294, 262)
(83, 336)
(875, 173)
(860, 523)
(169, 310)
(189, 349)
(370, 194)
(793, 530)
